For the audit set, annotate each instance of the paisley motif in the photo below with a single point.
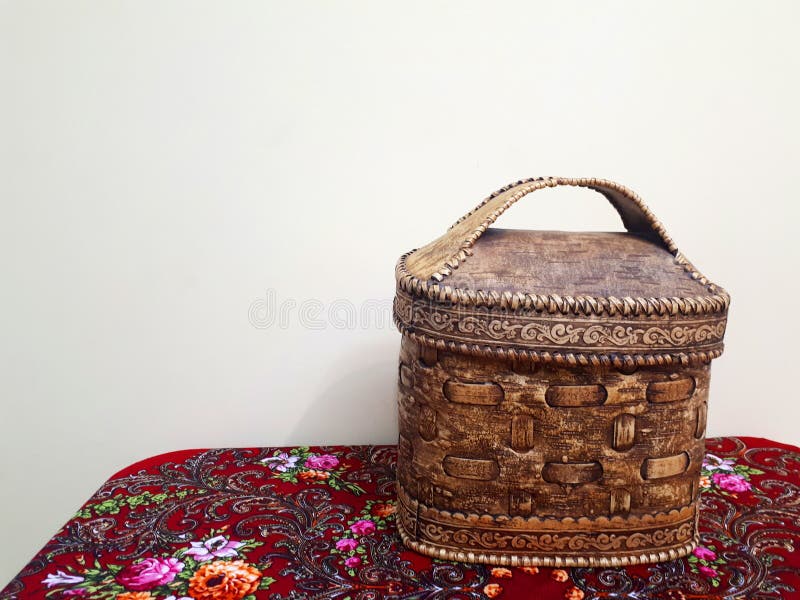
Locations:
(324, 527)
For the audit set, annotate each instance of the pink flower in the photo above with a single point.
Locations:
(352, 562)
(74, 593)
(322, 461)
(362, 527)
(216, 547)
(707, 571)
(704, 553)
(149, 573)
(731, 482)
(346, 544)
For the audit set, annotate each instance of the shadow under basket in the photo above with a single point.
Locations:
(553, 390)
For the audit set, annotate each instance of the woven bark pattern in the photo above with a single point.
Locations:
(523, 463)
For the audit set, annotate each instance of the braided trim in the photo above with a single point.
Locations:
(716, 303)
(597, 184)
(531, 185)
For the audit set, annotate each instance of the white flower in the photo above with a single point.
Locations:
(715, 463)
(283, 462)
(61, 578)
(216, 547)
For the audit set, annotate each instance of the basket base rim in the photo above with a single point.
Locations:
(547, 560)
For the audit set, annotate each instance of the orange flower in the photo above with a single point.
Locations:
(383, 510)
(560, 575)
(134, 596)
(573, 593)
(224, 580)
(530, 570)
(501, 572)
(312, 475)
(493, 590)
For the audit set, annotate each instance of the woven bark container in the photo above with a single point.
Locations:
(553, 389)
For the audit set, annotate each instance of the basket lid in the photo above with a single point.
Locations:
(569, 297)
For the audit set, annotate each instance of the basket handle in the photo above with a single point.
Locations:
(437, 259)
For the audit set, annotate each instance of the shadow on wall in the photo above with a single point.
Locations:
(361, 406)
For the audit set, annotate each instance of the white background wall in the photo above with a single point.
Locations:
(164, 164)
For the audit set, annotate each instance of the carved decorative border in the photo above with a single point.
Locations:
(544, 337)
(601, 541)
(515, 559)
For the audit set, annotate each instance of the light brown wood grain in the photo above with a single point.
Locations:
(553, 389)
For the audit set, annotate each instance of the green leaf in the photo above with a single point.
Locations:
(266, 582)
(744, 470)
(189, 566)
(355, 489)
